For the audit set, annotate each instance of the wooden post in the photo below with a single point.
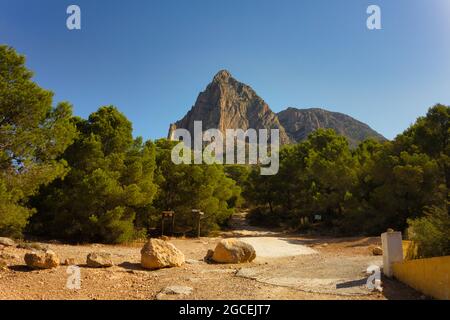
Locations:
(173, 224)
(198, 227)
(199, 215)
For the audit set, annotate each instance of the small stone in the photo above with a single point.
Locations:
(69, 262)
(7, 256)
(99, 260)
(192, 261)
(3, 265)
(377, 251)
(246, 273)
(174, 291)
(177, 290)
(7, 242)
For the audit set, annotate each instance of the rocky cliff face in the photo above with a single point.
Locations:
(229, 104)
(299, 123)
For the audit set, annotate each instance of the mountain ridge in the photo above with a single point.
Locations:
(299, 123)
(227, 103)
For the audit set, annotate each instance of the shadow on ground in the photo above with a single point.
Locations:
(21, 268)
(395, 290)
(132, 266)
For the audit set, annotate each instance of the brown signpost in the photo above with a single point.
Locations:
(199, 215)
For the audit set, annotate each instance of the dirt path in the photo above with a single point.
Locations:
(239, 227)
(273, 247)
(336, 271)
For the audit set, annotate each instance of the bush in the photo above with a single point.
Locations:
(13, 216)
(431, 233)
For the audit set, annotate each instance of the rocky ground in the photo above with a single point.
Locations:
(288, 267)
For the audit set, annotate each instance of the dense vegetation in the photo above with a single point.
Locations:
(90, 180)
(376, 186)
(33, 134)
(109, 184)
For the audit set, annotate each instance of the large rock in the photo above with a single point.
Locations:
(233, 251)
(7, 242)
(157, 254)
(99, 260)
(42, 260)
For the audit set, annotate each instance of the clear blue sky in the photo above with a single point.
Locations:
(151, 58)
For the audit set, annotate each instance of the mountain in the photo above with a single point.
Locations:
(299, 123)
(229, 104)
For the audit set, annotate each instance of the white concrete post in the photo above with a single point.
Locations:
(392, 250)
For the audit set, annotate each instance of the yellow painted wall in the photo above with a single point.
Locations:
(429, 276)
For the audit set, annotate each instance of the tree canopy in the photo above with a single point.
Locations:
(110, 181)
(33, 134)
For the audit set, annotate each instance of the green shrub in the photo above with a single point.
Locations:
(431, 233)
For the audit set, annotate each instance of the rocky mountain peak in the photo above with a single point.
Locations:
(229, 104)
(222, 76)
